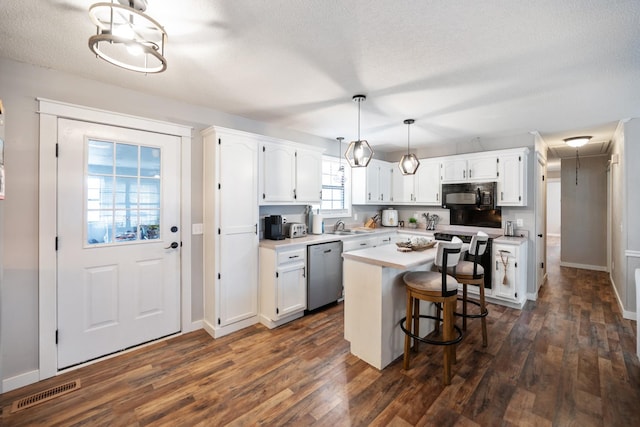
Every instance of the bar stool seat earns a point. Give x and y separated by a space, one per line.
441 289
472 273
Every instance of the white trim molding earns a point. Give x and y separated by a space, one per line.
632 254
50 111
584 266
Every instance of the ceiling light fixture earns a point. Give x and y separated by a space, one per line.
577 142
409 163
128 38
359 153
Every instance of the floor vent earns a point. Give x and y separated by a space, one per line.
45 395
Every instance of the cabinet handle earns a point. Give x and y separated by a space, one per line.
304 271
502 195
469 173
496 265
320 194
369 196
464 173
294 256
295 196
256 226
437 196
381 196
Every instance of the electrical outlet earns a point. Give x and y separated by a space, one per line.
519 222
284 219
196 229
355 216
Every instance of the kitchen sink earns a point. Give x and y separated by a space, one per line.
348 232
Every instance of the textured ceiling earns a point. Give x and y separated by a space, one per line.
463 69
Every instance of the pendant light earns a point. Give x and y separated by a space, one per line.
408 163
339 175
359 153
577 142
126 37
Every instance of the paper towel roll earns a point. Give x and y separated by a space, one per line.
317 224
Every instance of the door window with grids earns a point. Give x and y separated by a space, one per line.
122 192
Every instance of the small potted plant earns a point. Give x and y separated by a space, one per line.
413 223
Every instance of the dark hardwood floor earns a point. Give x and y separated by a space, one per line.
567 359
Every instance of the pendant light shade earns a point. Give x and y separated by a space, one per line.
126 37
409 163
359 153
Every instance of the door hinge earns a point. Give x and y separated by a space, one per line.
57 145
56 336
56 243
219 141
218 231
219 276
277 310
219 186
218 320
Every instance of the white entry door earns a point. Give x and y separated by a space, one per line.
118 239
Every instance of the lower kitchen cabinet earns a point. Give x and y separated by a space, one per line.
510 278
283 285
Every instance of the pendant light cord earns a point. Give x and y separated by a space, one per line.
577 165
359 101
408 136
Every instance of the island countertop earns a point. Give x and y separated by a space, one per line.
389 256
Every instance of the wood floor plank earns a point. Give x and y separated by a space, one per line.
566 359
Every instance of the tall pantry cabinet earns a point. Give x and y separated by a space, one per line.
230 230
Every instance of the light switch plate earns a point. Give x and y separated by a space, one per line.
519 222
196 229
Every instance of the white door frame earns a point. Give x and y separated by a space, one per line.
49 112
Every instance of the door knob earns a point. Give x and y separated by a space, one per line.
173 245
174 229
539 235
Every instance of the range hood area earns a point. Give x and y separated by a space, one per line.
472 204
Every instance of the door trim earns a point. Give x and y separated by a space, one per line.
50 111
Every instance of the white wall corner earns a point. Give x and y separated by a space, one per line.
21 380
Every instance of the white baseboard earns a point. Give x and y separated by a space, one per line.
584 266
553 234
194 326
220 331
625 313
20 381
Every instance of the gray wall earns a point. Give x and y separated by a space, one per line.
20 84
584 212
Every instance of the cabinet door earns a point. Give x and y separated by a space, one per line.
454 170
238 238
359 194
511 181
398 187
277 173
308 176
291 289
504 280
373 182
482 168
427 183
384 181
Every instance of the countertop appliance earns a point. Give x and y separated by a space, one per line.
295 229
389 218
485 259
273 227
324 275
508 228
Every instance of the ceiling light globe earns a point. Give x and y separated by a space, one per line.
408 164
577 141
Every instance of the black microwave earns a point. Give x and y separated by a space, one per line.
475 195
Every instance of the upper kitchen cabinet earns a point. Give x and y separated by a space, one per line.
423 188
289 173
470 167
512 180
372 185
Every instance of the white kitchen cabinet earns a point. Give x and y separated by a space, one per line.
385 238
423 188
512 180
230 230
510 275
470 167
372 185
289 173
360 242
283 284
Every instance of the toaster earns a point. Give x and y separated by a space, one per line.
296 229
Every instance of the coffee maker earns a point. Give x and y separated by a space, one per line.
273 227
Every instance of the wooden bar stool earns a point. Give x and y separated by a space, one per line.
470 272
439 288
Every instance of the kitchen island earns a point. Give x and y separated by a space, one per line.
375 300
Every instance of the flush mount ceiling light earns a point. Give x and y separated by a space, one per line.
126 37
577 142
359 153
409 162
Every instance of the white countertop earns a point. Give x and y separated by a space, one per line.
510 240
389 256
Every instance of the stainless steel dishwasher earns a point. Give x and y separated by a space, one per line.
324 276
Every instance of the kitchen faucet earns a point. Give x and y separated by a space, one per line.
339 225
